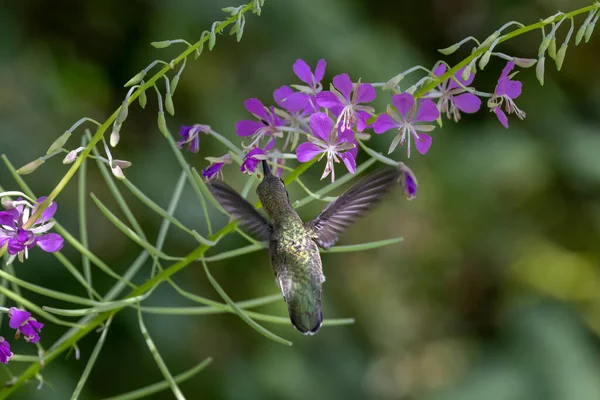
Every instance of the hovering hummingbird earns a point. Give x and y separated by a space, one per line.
293 244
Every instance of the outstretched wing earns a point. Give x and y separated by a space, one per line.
347 208
250 219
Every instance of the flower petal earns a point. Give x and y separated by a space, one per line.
349 161
428 111
50 242
509 67
440 69
423 143
14 246
212 170
256 107
513 89
458 76
303 72
366 93
48 212
467 102
307 151
327 99
320 70
403 103
17 317
184 131
384 123
7 219
501 116
321 125
246 127
343 83
361 120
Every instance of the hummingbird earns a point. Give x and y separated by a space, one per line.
293 244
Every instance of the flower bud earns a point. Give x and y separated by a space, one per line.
136 79
590 29
71 157
174 83
449 50
162 124
524 62
115 136
32 166
161 44
539 70
552 48
408 182
169 104
467 72
198 52
212 39
59 143
560 56
117 172
544 45
7 203
483 61
581 32
392 83
549 19
123 112
142 99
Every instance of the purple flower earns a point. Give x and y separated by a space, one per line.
19 240
406 121
453 98
254 157
408 181
328 140
267 125
190 136
216 163
289 100
25 324
506 91
313 80
344 100
5 353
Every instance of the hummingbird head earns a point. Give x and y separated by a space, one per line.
272 193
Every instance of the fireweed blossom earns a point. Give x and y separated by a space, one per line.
25 324
216 164
406 121
296 112
190 136
331 141
344 98
5 353
268 124
453 98
408 182
254 157
506 91
313 80
19 240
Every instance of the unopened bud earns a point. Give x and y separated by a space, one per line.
408 181
136 79
59 143
581 32
449 50
483 61
590 29
524 62
392 83
544 45
142 99
174 83
162 124
467 72
115 136
169 104
71 157
549 19
212 39
123 112
560 56
198 51
29 168
488 42
161 44
552 48
7 203
539 70
117 172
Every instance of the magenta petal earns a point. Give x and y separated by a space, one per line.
343 83
321 125
467 102
50 242
280 95
270 145
423 143
17 317
302 71
403 102
296 101
361 120
509 67
428 111
256 107
307 151
458 76
349 161
247 127
327 99
366 93
439 70
513 89
7 219
48 212
501 116
320 70
384 123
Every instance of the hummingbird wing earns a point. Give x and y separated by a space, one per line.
250 219
347 208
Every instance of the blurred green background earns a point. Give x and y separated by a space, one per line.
494 294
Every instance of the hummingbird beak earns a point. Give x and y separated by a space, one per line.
266 169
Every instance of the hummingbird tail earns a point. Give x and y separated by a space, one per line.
307 320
